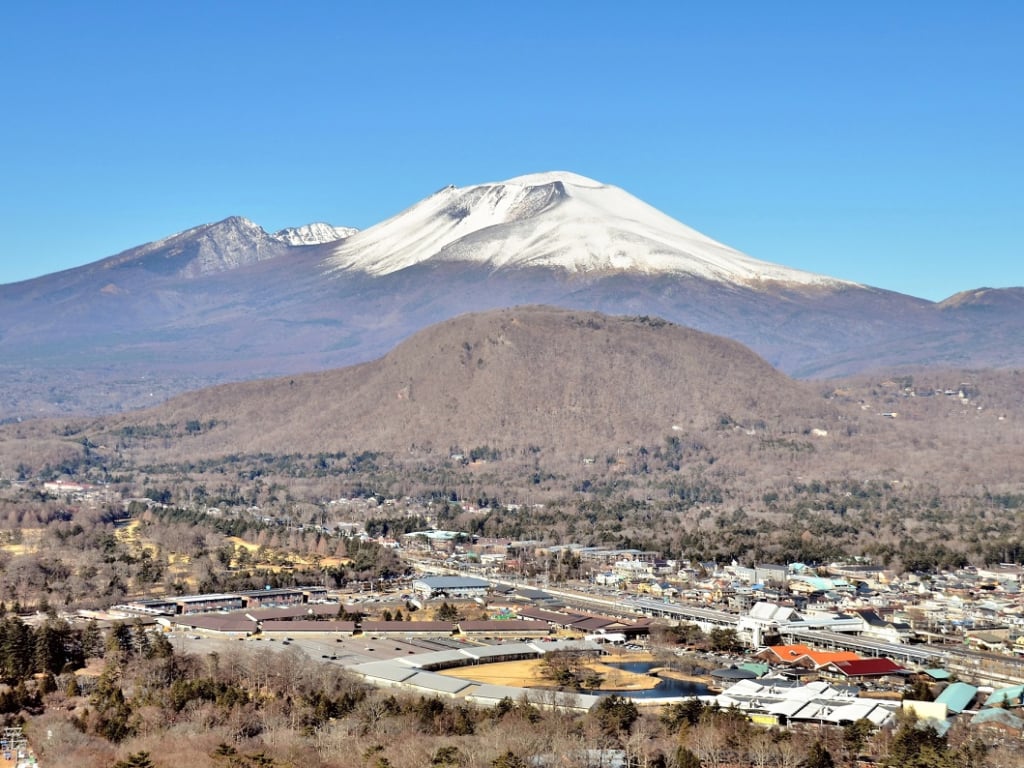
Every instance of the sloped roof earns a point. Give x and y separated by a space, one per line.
234 622
593 623
435 659
384 670
793 654
451 582
539 614
871 617
304 625
957 696
786 707
503 625
498 651
867 667
1011 695
819 583
730 674
770 612
941 727
431 681
998 715
408 627
297 611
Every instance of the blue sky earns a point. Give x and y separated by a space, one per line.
879 142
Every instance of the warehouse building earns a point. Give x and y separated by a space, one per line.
450 586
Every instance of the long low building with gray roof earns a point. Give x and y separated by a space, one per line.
450 586
492 695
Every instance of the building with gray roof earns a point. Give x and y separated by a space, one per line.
431 682
492 695
384 672
450 586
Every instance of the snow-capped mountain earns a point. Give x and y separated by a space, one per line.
204 250
223 246
317 233
557 220
229 301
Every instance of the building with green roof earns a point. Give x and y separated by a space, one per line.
957 697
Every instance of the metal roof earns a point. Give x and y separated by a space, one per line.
304 625
957 696
213 597
867 667
497 651
873 647
216 622
998 715
1013 694
431 681
503 625
435 659
408 627
492 694
451 582
292 611
387 671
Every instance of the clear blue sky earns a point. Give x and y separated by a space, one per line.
880 142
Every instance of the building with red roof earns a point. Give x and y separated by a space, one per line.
864 669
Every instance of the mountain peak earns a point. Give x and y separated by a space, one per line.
222 246
554 220
317 233
984 298
549 177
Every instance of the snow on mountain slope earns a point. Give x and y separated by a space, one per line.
222 246
317 233
557 220
203 250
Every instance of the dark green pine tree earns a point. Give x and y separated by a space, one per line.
50 644
819 757
17 649
92 640
120 641
135 760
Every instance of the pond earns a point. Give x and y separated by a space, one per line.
667 688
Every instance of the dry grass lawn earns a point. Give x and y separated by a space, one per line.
528 674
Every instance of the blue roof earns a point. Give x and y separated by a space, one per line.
957 697
997 715
938 674
819 583
1012 695
941 727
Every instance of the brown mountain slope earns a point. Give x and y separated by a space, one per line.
573 382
